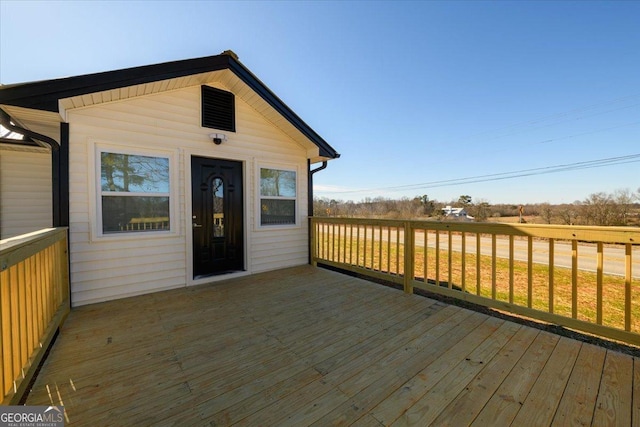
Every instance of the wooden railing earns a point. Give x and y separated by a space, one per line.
34 301
584 278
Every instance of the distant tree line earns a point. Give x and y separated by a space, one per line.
621 208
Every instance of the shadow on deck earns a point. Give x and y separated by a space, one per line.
307 345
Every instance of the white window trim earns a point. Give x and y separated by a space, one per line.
258 204
96 188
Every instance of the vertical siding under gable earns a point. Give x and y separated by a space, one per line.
25 191
105 268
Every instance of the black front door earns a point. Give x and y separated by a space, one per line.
217 217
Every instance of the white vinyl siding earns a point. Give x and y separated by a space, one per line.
105 269
25 190
287 248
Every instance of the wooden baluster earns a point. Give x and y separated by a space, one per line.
627 286
478 270
398 251
437 257
599 280
511 272
463 267
493 266
574 279
551 267
529 271
450 260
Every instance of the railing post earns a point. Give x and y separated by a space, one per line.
408 258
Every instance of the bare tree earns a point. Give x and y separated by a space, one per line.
607 209
593 210
624 199
568 214
617 208
480 210
546 212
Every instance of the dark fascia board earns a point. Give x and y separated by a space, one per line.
265 93
44 95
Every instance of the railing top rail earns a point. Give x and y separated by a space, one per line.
619 235
16 249
564 232
361 221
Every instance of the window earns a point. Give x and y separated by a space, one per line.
218 109
134 193
277 197
218 207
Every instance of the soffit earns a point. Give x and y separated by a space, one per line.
43 122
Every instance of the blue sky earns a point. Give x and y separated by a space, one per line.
414 95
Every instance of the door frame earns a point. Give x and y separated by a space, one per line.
188 223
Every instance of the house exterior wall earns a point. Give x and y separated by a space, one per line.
25 190
115 266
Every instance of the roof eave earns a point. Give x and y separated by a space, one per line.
265 93
45 95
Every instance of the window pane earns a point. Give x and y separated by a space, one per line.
218 207
277 183
135 174
121 214
277 212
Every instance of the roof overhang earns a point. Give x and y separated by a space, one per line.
43 122
41 106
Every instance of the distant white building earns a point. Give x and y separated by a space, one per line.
456 213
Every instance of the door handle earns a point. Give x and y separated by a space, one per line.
197 225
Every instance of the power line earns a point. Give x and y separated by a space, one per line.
552 120
611 161
586 133
515 132
510 129
560 115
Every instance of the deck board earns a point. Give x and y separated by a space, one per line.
466 406
505 403
615 394
493 335
541 404
580 395
308 346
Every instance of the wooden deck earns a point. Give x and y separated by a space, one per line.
309 346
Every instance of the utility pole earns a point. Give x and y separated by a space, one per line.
521 210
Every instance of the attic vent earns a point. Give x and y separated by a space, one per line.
218 109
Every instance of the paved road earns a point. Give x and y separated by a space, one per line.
614 256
